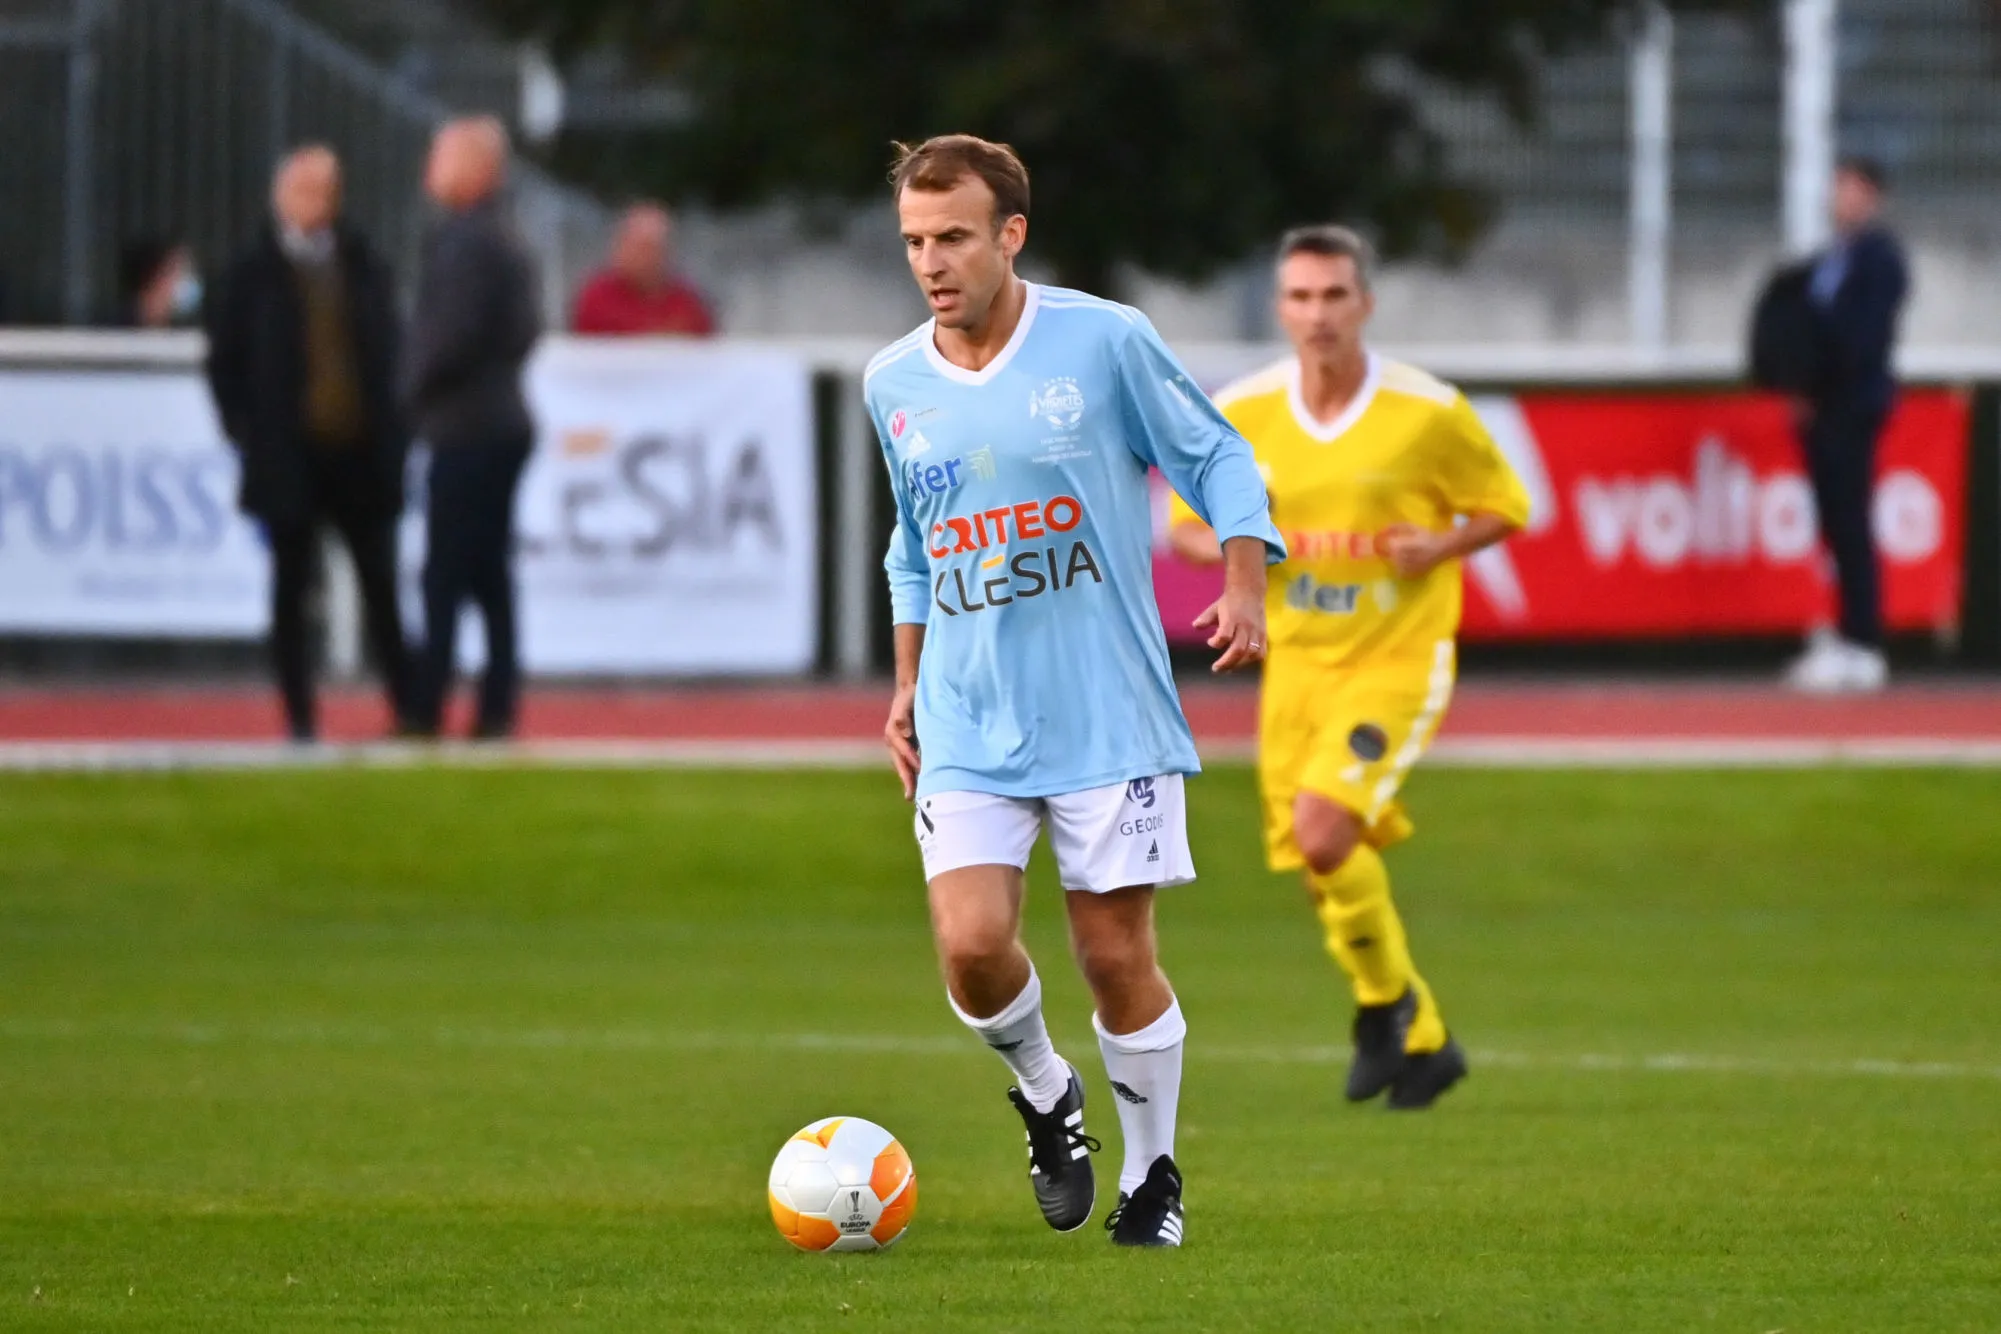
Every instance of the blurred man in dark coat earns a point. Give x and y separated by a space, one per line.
302 356
1857 289
474 324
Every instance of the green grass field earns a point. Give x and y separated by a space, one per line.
442 1050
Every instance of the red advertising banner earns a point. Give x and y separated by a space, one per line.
1661 514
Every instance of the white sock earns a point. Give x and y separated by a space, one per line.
1145 1070
1021 1039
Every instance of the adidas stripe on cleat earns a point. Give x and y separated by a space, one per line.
1059 1157
1151 1215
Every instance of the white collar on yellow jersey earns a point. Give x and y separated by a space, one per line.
1328 432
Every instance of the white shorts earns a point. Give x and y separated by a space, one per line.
1104 838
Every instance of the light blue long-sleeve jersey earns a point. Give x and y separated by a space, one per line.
1023 543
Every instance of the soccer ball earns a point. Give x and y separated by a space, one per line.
842 1184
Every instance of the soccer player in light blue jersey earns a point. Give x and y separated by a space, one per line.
1032 679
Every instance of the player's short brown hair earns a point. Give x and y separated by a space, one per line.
1328 239
942 161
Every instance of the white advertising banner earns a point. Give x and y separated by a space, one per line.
118 510
667 521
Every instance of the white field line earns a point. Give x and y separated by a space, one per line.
192 1034
1497 752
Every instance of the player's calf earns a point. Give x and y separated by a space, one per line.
995 991
1351 892
1140 1029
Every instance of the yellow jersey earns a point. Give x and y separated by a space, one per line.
1408 450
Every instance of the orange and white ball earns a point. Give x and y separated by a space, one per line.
842 1184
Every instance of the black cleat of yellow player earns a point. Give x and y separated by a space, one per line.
1380 1033
1426 1075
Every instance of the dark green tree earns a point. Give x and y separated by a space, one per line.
1178 135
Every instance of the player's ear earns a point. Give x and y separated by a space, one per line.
1013 235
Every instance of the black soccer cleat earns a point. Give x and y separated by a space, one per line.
1426 1075
1059 1157
1380 1032
1151 1215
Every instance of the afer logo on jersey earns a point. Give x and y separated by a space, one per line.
922 480
999 579
1306 593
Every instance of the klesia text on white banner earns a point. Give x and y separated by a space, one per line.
667 522
667 518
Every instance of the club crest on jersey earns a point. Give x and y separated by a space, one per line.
1369 742
897 421
1059 402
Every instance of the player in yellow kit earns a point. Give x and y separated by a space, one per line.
1382 480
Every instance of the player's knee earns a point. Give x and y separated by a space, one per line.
1327 832
1112 962
971 948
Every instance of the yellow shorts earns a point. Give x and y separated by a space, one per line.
1350 734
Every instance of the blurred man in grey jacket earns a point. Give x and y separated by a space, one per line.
473 327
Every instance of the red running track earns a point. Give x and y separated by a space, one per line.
1547 710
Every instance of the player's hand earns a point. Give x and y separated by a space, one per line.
1413 552
900 732
1237 620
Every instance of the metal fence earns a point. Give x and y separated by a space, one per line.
1667 169
1664 171
161 119
1920 88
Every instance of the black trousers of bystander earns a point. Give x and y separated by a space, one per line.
1840 444
345 497
470 517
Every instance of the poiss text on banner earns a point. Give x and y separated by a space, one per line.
118 510
667 521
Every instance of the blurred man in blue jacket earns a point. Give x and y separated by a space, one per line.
1857 290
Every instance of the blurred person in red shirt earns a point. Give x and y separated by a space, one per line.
639 292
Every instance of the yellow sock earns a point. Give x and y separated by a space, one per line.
1366 937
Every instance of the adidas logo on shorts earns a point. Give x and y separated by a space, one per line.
1153 852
